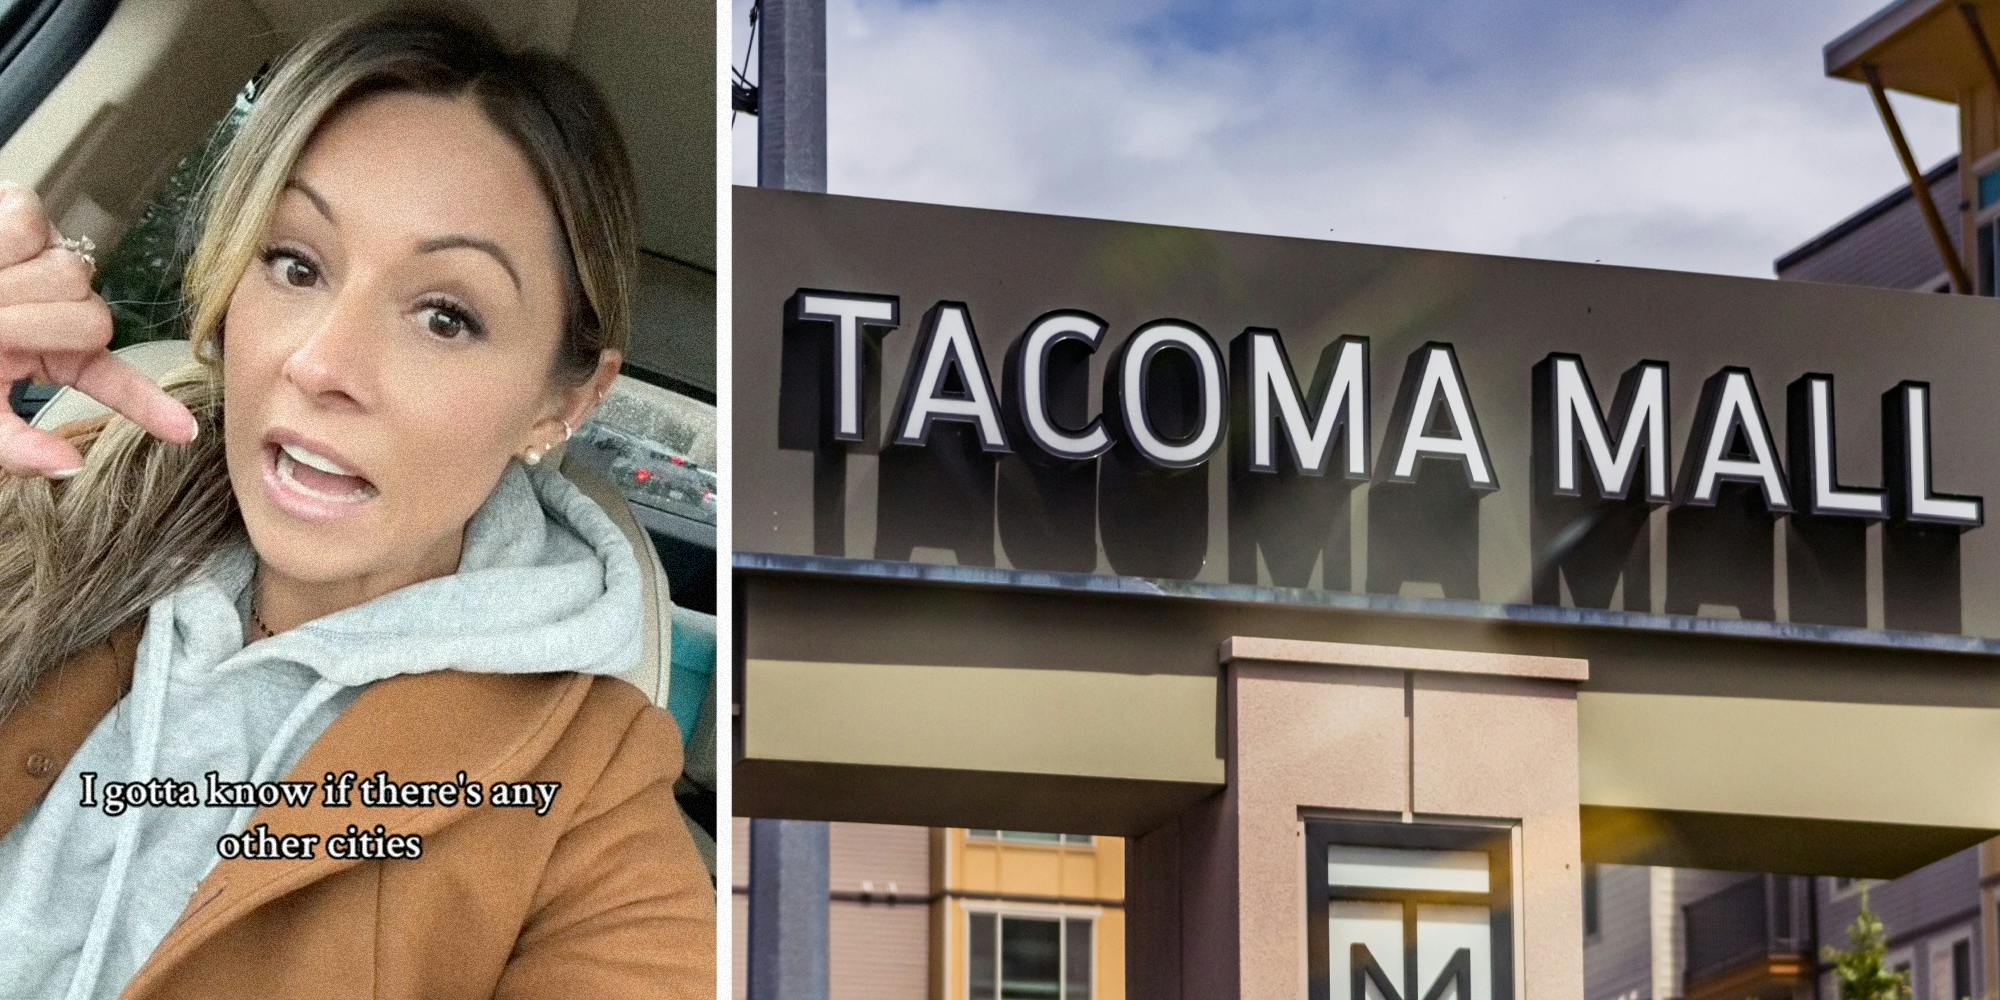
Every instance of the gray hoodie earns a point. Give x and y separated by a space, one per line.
546 582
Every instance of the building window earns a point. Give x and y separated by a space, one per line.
1026 837
1950 968
1961 968
1029 957
1590 900
1983 280
1989 188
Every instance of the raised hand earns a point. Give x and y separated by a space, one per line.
53 327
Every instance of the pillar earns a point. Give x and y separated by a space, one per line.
1416 739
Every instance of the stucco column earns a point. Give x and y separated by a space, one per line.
1216 897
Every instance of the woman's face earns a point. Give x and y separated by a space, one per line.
389 347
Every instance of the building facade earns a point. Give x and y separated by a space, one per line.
1697 934
1943 921
1386 675
1635 929
918 913
1658 933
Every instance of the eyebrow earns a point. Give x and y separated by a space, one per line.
313 196
489 247
433 245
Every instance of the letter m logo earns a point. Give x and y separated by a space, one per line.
1369 982
1409 911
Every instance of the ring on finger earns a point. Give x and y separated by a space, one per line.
82 246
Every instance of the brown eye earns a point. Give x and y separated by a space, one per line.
447 320
290 268
445 324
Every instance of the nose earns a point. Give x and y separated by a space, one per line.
332 362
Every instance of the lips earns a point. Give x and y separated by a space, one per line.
310 481
320 477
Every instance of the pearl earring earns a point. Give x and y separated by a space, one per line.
535 452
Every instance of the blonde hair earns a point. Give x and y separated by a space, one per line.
80 559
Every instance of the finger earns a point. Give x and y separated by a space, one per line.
54 275
24 227
44 327
116 383
26 451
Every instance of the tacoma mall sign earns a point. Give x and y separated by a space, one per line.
1039 401
1063 412
1257 392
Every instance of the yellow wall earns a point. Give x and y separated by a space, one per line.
1005 876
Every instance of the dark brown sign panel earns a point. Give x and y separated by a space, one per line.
993 397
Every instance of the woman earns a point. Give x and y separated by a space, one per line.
331 556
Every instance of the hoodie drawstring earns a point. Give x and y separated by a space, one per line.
321 692
149 697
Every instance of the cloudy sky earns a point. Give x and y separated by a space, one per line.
1698 135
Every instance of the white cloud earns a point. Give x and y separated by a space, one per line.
1697 136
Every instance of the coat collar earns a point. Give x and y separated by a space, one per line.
415 727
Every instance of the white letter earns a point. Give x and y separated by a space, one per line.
1642 402
1435 370
849 315
1030 361
1920 504
1813 471
1342 402
947 342
1129 388
1729 400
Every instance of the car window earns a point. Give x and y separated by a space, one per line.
140 278
39 41
658 446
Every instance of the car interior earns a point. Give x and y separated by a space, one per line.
106 102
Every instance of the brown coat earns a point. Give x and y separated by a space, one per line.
602 897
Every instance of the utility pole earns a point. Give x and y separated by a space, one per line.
788 858
791 95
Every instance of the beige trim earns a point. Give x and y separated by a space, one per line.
981 719
1687 752
1449 661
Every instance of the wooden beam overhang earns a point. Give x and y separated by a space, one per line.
1961 283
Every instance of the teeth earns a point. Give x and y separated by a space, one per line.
320 462
286 466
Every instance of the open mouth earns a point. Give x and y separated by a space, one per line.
319 477
310 485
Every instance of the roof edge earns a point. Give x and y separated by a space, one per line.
1877 28
1861 218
